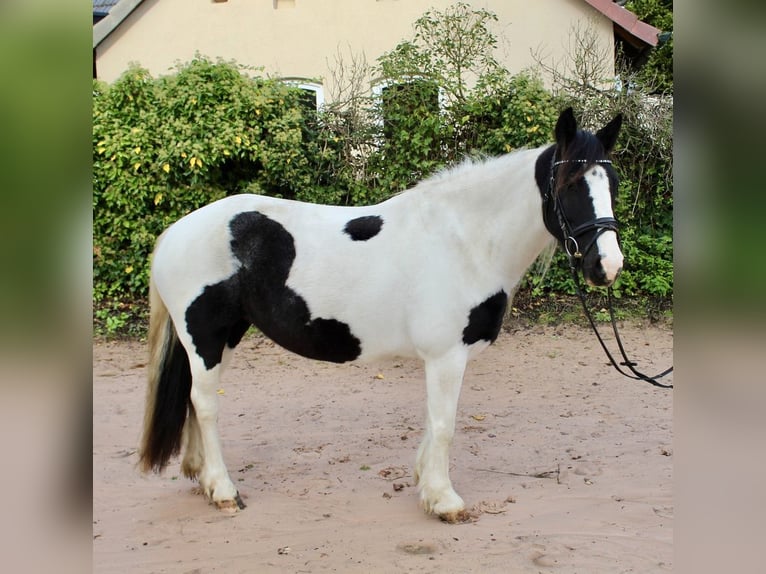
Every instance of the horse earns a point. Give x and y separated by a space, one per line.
426 273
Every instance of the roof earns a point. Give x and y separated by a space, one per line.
633 30
116 11
103 5
101 8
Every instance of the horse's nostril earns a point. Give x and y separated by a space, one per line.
611 270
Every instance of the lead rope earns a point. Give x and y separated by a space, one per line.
637 375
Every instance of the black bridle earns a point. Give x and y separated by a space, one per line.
569 234
569 237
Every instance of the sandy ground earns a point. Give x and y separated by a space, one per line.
566 465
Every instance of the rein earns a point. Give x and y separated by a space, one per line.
575 255
631 365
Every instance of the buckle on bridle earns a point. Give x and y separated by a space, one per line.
573 253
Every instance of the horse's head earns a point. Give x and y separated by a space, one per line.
578 184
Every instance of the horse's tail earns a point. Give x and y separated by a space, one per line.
168 391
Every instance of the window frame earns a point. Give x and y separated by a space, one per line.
309 86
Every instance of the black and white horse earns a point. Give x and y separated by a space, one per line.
424 274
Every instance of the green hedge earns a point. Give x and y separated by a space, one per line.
164 147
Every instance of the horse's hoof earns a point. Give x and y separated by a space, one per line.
227 506
231 506
446 504
459 517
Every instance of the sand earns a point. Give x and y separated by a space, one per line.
565 465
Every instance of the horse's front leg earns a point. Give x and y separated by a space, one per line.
444 376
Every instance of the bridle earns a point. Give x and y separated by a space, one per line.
569 237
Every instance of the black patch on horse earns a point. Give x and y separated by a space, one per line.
214 321
485 320
363 228
257 294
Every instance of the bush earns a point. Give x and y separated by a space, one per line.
447 97
656 74
164 147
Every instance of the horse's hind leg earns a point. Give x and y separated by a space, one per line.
444 377
194 456
213 332
204 456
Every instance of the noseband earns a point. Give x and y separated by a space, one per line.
569 234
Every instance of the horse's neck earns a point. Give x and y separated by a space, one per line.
494 211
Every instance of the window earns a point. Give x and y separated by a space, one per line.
313 94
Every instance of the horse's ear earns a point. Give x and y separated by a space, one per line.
566 128
608 134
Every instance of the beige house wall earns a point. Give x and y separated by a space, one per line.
302 38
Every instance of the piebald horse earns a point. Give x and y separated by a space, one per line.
426 274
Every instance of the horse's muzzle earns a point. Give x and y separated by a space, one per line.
603 274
